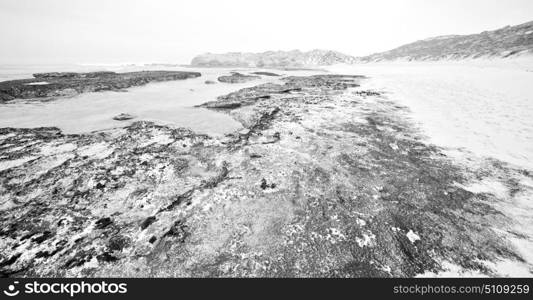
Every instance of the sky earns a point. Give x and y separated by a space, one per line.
135 31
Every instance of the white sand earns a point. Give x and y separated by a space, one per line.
484 106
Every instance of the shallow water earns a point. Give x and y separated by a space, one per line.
485 109
170 102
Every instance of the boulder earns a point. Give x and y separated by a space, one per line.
123 117
236 77
266 73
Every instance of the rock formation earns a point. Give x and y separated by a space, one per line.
325 180
273 59
68 84
123 117
237 77
265 73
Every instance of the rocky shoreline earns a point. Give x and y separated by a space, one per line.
57 84
237 77
326 180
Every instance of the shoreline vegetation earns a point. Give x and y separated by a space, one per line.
327 179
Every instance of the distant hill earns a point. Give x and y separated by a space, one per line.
504 42
273 59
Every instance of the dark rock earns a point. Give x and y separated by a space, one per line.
249 96
147 222
106 257
178 200
236 77
79 259
103 223
54 75
367 93
223 105
335 82
264 185
210 82
178 231
68 84
265 73
100 185
5 97
42 237
123 117
117 243
11 260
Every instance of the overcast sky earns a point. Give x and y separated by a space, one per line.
122 31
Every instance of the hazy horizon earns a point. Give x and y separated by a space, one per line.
104 32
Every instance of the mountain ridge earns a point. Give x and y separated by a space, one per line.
289 59
500 43
508 41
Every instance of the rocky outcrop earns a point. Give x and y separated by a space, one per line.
237 77
79 217
265 73
123 117
325 180
248 96
273 59
68 84
504 42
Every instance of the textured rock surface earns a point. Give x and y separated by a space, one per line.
326 179
123 117
504 42
265 73
237 77
68 84
273 59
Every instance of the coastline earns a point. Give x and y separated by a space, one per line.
327 178
473 106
